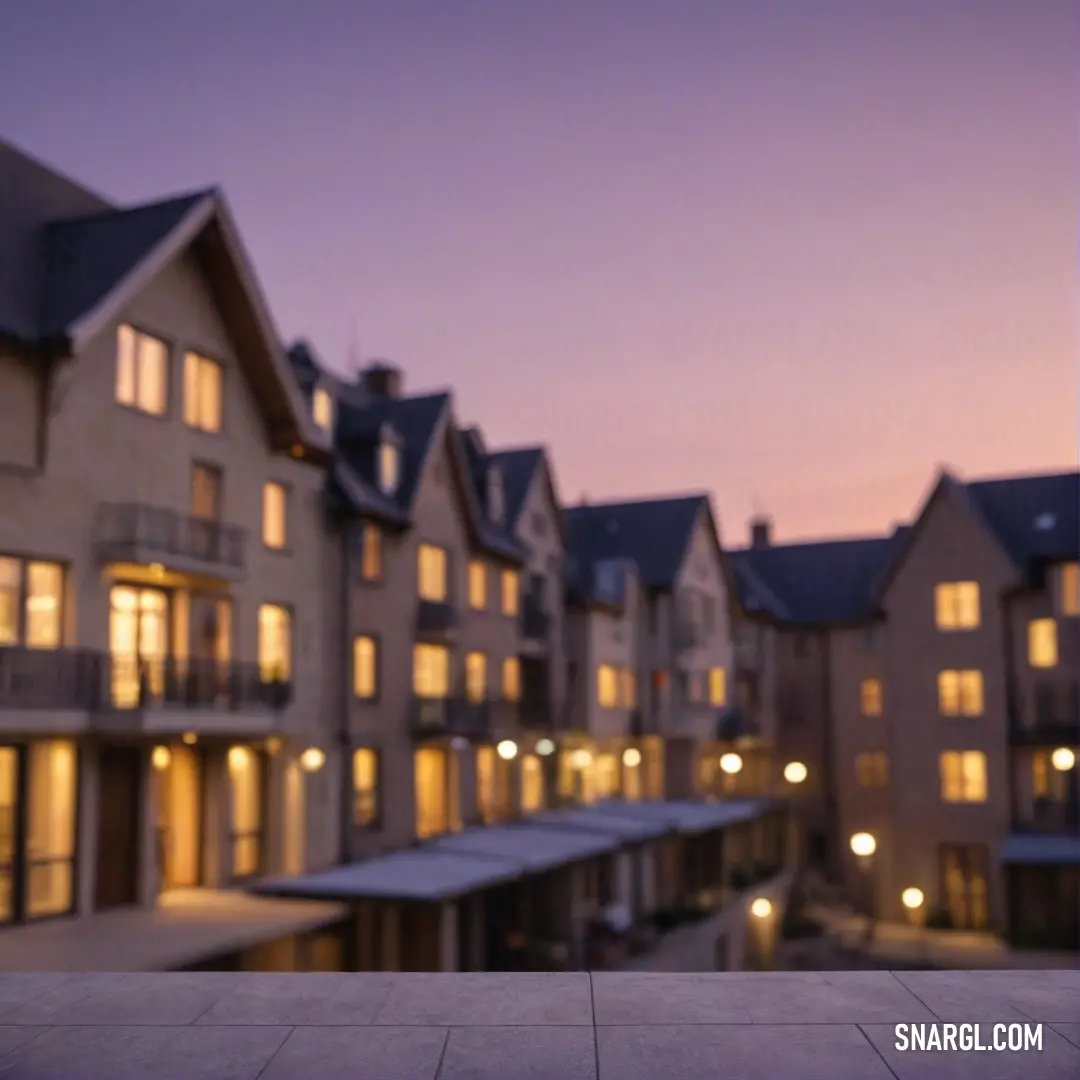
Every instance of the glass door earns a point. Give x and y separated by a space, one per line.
138 643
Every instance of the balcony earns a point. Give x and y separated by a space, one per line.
136 533
1050 715
50 680
448 717
436 620
535 624
1051 815
172 695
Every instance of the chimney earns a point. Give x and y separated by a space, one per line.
760 532
382 379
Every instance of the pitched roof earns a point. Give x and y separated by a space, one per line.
84 259
654 534
497 536
519 466
831 581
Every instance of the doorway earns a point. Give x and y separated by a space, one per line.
180 820
138 643
120 771
964 872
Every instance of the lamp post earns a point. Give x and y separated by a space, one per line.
863 846
913 899
761 909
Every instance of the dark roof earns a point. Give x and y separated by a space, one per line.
519 466
496 536
85 258
832 581
1035 518
654 534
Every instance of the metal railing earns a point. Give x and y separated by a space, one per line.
535 622
432 717
50 678
436 618
159 531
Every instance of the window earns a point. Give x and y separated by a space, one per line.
510 587
52 788
1070 589
607 776
628 688
31 603
389 467
370 552
322 408
960 693
365 774
717 686
511 679
871 697
202 393
432 803
9 791
477 585
963 776
142 371
1042 643
274 526
956 605
206 485
872 769
431 671
365 667
431 574
532 784
275 643
607 687
245 778
1040 774
487 787
476 677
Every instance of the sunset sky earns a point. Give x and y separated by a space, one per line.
795 253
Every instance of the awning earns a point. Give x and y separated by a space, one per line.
630 830
690 818
420 874
533 847
1041 849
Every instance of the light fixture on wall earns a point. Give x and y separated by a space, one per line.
581 759
545 748
631 757
731 764
160 758
912 898
239 759
795 772
190 738
273 746
761 908
1063 759
507 749
863 845
312 759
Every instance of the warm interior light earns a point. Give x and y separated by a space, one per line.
160 758
912 898
761 908
631 757
581 759
190 738
507 749
863 844
795 772
312 759
239 757
545 748
1063 759
273 745
731 764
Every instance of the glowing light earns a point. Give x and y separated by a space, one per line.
761 908
1063 759
273 745
312 759
863 845
731 764
581 759
795 772
190 738
507 749
912 898
631 757
545 748
160 758
239 759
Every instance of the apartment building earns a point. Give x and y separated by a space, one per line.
652 584
161 711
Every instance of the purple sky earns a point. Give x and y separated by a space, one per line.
795 258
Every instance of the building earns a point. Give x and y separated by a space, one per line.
162 712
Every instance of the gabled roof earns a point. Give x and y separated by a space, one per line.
496 536
654 534
826 582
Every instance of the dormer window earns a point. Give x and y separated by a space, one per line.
389 464
322 409
496 499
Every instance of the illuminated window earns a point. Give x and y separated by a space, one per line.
389 467
9 791
963 776
872 769
960 693
202 393
509 591
370 552
10 600
322 408
477 585
487 784
1070 589
275 643
431 574
1040 774
52 793
365 667
628 688
532 784
432 803
956 605
1042 643
476 683
871 697
44 601
274 526
632 781
431 670
365 771
607 776
717 686
607 686
245 779
142 371
511 679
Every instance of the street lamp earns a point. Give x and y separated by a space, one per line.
507 749
312 759
912 899
1063 759
761 909
863 846
795 772
731 764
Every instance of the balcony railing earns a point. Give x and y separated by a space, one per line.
436 619
50 678
136 532
1051 815
535 622
178 683
1052 714
450 716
